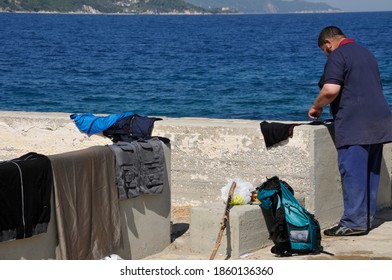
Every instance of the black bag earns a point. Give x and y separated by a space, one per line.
131 128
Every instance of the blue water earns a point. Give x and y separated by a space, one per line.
239 66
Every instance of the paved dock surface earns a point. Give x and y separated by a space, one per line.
377 245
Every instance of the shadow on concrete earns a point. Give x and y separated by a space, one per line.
382 216
178 230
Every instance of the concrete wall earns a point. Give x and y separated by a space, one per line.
207 153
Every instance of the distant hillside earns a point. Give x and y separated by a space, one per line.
163 6
265 6
101 6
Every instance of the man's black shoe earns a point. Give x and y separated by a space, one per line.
344 231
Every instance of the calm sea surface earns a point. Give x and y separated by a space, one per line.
239 66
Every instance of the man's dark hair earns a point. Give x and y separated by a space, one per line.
329 32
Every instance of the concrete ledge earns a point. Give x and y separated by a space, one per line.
207 153
246 231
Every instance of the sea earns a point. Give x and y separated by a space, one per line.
247 66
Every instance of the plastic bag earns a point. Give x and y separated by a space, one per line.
242 192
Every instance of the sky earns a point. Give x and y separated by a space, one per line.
359 5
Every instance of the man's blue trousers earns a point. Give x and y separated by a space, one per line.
360 167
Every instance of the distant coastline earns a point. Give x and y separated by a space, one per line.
177 13
190 14
166 7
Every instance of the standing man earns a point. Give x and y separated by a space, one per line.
363 123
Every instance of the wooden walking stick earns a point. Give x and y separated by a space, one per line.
224 220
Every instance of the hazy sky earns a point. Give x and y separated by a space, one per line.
359 5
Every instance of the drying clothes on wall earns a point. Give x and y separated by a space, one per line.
140 167
131 128
275 132
86 203
92 124
25 194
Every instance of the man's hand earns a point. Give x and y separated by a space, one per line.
315 113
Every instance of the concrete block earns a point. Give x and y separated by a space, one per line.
325 198
384 197
246 231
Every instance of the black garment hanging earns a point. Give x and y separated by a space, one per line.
275 132
25 193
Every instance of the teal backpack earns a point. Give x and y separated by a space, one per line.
291 227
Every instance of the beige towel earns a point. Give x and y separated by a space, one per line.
86 203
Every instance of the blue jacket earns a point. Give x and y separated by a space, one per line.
91 124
